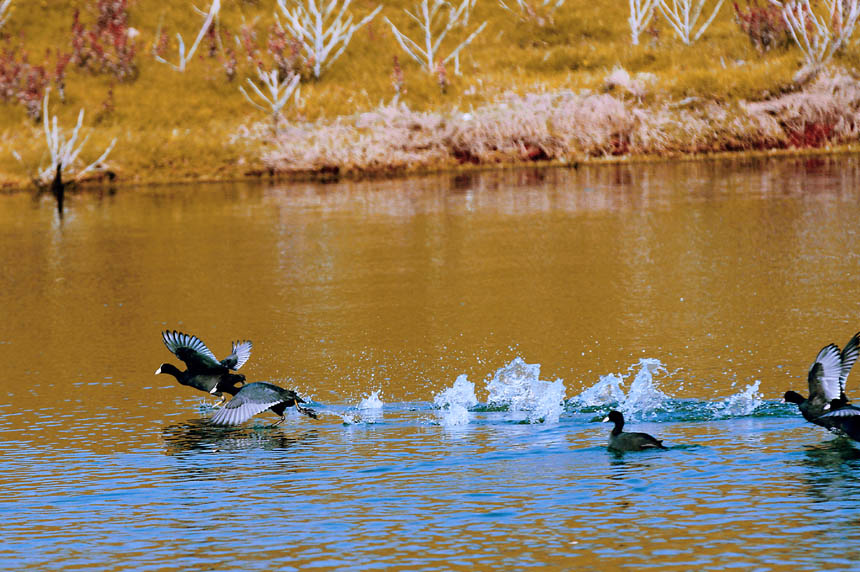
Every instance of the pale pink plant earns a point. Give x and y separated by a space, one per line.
565 126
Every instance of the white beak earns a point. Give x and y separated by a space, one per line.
158 370
605 419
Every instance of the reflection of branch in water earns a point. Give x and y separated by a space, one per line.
199 435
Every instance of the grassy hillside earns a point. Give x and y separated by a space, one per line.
178 126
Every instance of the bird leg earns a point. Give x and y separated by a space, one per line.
222 402
281 420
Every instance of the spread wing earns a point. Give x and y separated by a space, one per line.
191 350
849 356
843 412
252 399
241 353
824 375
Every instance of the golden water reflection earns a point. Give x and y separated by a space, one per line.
727 272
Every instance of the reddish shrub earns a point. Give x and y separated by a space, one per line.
21 81
810 134
109 46
286 53
32 89
763 25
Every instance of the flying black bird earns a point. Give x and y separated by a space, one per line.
204 371
826 381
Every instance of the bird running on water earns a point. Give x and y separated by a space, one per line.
257 397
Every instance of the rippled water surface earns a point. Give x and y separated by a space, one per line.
461 337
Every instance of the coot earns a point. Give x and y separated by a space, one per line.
255 398
826 381
204 371
620 441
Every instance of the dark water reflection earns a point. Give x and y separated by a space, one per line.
729 273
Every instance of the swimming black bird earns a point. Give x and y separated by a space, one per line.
204 371
255 398
620 441
826 381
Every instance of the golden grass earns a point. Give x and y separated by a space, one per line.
175 126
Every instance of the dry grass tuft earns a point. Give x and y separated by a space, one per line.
567 126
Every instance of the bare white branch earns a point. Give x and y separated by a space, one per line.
820 35
435 29
322 29
5 12
184 58
641 13
279 92
64 149
683 15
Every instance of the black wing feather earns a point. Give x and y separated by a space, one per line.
191 350
849 355
241 353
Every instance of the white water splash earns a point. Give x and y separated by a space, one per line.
368 410
741 403
606 390
372 401
642 398
454 402
519 387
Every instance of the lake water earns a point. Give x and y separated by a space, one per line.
461 337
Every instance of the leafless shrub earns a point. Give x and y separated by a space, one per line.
641 13
64 149
5 12
683 16
435 28
279 93
184 58
324 31
820 34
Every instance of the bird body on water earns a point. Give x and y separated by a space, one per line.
621 441
204 371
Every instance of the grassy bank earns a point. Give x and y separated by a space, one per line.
571 89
